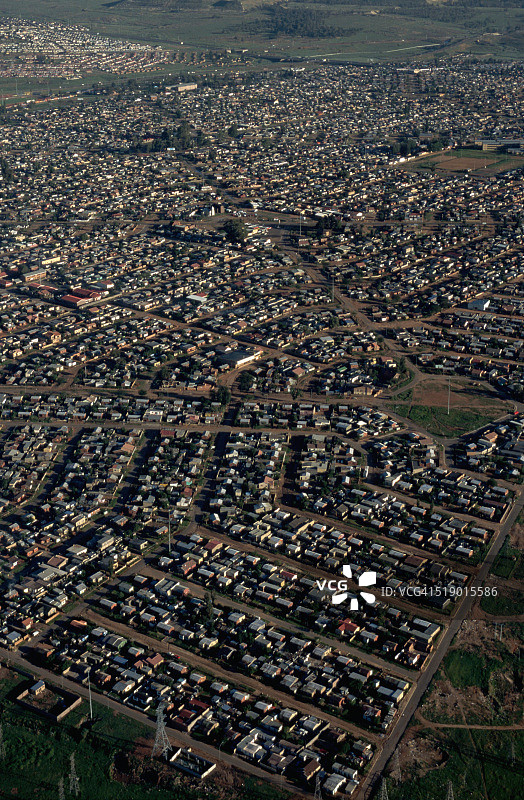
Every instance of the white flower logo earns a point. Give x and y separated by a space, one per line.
366 579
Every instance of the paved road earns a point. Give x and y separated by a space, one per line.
462 612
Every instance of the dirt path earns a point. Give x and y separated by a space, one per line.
226 602
517 726
209 667
177 738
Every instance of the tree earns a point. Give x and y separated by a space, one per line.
245 381
6 170
222 395
209 607
235 231
184 135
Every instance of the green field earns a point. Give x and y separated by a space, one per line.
481 765
508 563
362 32
436 420
486 161
506 603
37 752
464 669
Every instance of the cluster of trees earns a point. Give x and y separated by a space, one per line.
235 231
246 381
405 147
306 22
330 223
221 395
6 170
180 138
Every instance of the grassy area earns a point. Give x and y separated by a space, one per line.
436 420
465 669
507 562
475 160
255 790
406 395
486 673
38 752
478 764
358 35
506 603
405 376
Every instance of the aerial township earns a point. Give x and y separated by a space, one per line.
215 307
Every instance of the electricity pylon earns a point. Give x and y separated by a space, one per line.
2 743
161 744
74 784
396 772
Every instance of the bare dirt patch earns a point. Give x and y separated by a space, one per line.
499 701
420 754
517 537
446 702
477 161
464 394
460 164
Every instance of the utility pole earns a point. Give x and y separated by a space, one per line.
450 795
169 531
61 791
318 789
449 392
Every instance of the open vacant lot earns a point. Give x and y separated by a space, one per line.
478 161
